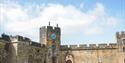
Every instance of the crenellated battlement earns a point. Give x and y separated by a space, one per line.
73 46
51 27
91 46
102 45
64 46
19 38
115 45
120 35
120 38
83 46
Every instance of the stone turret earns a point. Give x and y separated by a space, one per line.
120 38
5 37
19 38
50 37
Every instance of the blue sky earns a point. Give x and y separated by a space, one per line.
81 21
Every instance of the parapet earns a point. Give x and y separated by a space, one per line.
50 28
102 45
14 38
83 46
5 37
64 46
113 45
91 46
73 46
19 38
120 35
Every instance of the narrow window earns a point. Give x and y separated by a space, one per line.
123 49
124 41
124 60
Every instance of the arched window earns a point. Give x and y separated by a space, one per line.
30 59
69 58
68 61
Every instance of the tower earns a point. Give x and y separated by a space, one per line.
120 38
50 37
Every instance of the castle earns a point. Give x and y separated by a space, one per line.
19 49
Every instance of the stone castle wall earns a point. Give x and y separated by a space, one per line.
3 52
29 53
95 53
94 56
23 50
102 53
90 46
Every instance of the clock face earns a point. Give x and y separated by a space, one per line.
53 36
53 46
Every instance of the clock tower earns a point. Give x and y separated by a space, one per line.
50 37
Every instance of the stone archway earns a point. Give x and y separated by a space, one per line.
68 61
69 58
30 59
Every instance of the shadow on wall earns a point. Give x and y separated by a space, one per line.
68 61
11 57
30 59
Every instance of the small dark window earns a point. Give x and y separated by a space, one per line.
68 56
124 60
124 49
124 41
38 50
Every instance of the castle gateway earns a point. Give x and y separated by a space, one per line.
18 49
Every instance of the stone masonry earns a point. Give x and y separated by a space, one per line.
19 49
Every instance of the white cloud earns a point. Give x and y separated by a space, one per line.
98 11
11 11
111 21
71 19
93 31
